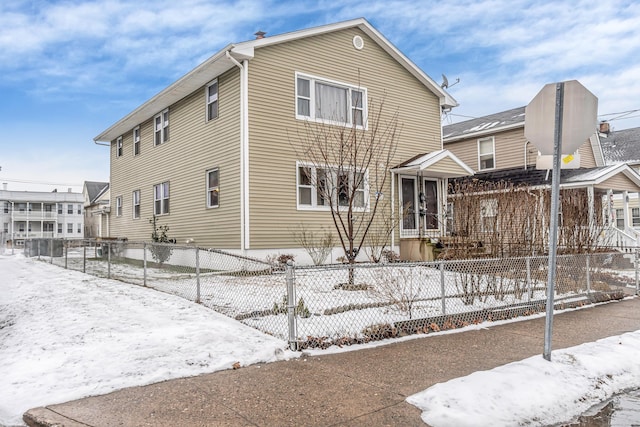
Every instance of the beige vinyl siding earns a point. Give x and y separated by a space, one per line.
587 159
618 182
194 147
273 128
509 149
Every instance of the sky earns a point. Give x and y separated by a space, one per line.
69 69
65 335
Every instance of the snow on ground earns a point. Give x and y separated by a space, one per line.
535 392
65 335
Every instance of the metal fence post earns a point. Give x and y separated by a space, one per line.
51 251
144 264
636 268
588 276
529 289
442 289
197 276
65 246
108 260
291 306
84 256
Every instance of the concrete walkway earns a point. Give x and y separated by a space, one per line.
356 388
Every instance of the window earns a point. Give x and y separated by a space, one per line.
60 228
136 204
119 206
488 214
59 208
79 228
212 100
330 102
620 218
79 209
119 146
161 199
6 227
70 209
136 140
486 153
322 187
6 207
635 217
213 188
161 127
70 228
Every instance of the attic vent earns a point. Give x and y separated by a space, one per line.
259 34
358 43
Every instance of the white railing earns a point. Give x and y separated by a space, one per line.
623 240
34 215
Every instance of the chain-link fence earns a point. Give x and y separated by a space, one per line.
319 306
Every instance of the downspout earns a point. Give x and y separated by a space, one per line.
525 154
244 151
393 209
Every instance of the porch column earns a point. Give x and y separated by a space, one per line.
591 207
625 209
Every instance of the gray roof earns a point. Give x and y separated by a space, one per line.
481 125
95 189
622 146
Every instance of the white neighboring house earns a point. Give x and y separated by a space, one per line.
96 209
35 214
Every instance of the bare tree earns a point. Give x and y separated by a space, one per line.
349 168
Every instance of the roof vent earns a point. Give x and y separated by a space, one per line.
260 35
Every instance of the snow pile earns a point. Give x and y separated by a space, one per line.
65 335
535 392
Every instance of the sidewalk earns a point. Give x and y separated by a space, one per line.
356 388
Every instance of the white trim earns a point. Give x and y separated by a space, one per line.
207 101
208 189
244 123
164 127
312 100
119 147
133 204
481 133
118 206
412 232
136 142
493 153
314 192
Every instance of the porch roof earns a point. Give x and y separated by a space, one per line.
569 178
437 164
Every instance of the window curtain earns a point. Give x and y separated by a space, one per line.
331 103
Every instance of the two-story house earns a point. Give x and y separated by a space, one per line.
501 157
218 156
96 209
35 214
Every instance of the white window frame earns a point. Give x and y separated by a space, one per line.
119 146
620 218
161 195
635 217
119 206
59 228
483 156
488 209
211 100
215 188
136 140
69 228
79 228
135 203
161 127
333 177
351 108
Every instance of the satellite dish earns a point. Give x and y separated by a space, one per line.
445 82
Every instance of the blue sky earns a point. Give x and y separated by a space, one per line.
70 69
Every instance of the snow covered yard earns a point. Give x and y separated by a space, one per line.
66 335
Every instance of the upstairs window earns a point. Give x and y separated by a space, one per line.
136 140
635 217
212 100
119 146
161 199
330 102
70 209
119 206
70 228
136 204
213 188
486 153
161 127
